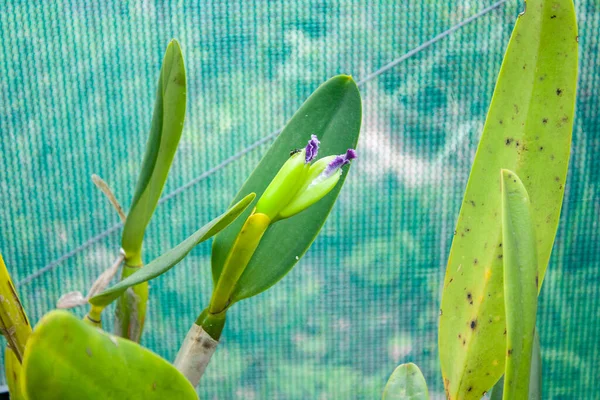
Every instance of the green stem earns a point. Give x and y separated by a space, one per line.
94 316
130 313
242 251
212 323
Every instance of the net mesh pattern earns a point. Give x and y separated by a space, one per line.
77 84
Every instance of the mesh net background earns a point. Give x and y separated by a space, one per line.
77 85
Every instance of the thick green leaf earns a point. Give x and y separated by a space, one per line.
67 359
13 373
168 260
333 112
14 323
520 284
406 383
535 381
528 130
167 124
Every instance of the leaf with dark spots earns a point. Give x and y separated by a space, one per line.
534 91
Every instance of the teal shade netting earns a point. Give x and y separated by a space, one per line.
77 86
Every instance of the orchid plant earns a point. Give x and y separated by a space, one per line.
68 358
502 244
508 219
297 186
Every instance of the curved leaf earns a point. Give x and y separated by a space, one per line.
535 381
67 359
167 124
13 373
333 113
520 284
168 260
14 323
406 383
527 130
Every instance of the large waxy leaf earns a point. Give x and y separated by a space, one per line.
406 383
168 260
67 359
167 124
528 130
535 380
13 373
520 284
333 112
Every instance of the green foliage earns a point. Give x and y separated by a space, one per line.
240 255
167 125
169 259
535 381
12 367
520 284
165 132
406 383
333 113
68 359
528 130
14 323
15 327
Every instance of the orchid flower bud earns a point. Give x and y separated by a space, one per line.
298 185
284 186
321 179
288 180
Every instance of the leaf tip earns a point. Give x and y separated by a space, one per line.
174 43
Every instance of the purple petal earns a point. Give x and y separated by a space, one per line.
312 148
351 154
338 162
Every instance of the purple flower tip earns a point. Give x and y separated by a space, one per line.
312 148
351 154
339 161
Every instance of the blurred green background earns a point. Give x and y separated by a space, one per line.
77 84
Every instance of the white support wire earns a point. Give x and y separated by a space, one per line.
28 279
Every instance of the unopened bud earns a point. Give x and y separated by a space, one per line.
298 184
321 179
284 186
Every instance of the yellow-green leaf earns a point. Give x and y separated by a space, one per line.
535 380
14 323
406 383
13 373
520 284
527 130
167 124
67 359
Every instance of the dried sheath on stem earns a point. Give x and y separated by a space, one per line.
195 354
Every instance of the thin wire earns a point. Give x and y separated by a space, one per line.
256 144
169 196
70 254
431 41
